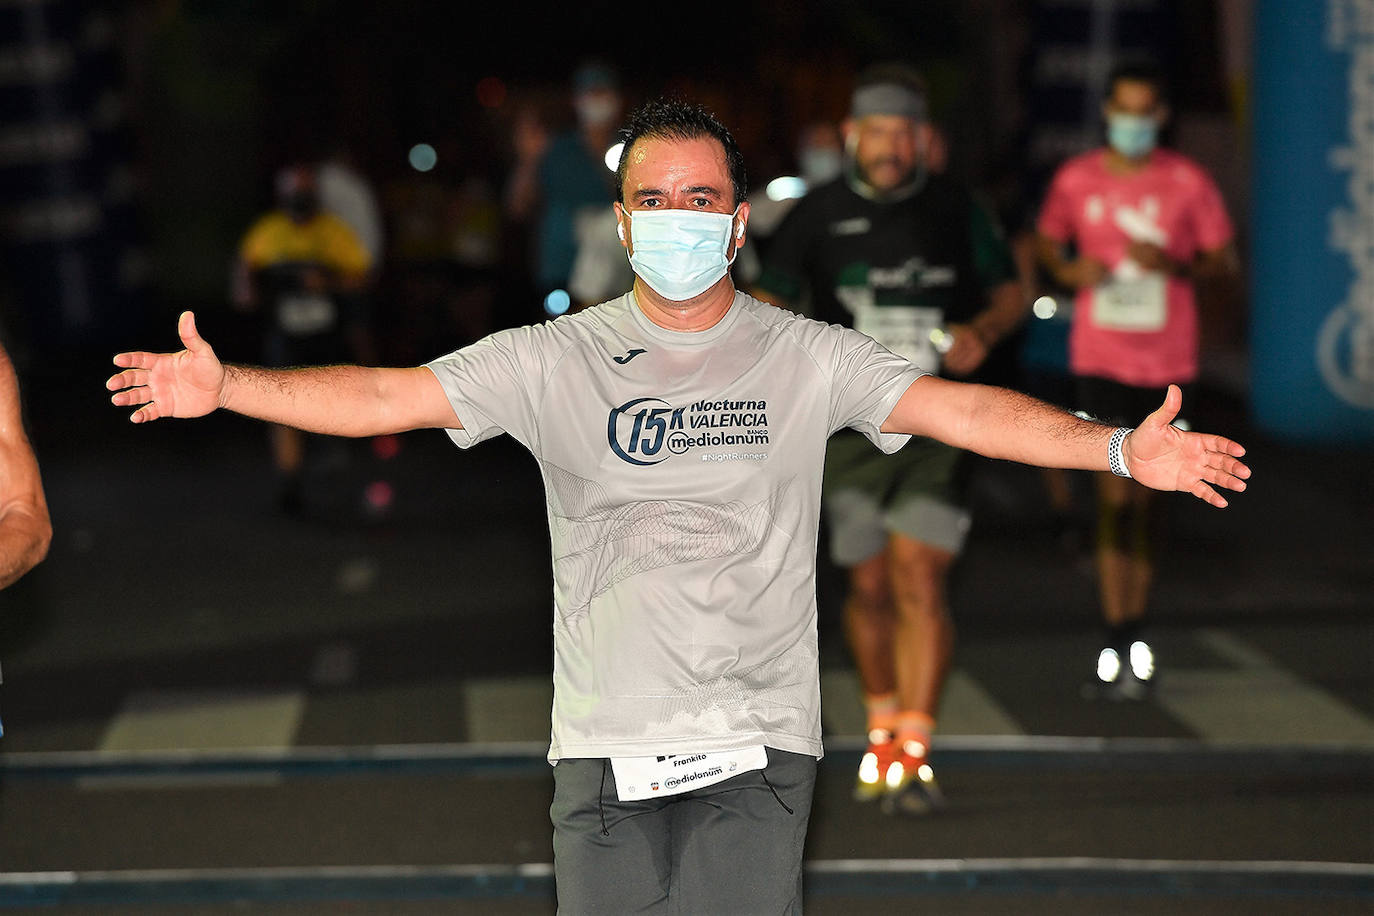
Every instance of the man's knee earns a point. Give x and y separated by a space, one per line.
870 589
918 573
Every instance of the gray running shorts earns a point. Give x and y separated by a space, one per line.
734 847
916 492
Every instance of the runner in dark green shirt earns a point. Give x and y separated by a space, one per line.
912 259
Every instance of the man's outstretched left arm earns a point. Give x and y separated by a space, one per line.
1000 423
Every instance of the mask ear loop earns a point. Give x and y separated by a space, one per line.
739 234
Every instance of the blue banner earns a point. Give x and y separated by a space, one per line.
1312 257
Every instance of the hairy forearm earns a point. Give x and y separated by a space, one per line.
1000 423
333 400
1008 424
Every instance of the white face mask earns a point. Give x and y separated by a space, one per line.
680 253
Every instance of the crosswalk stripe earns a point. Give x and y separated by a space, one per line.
153 720
966 708
1257 700
508 709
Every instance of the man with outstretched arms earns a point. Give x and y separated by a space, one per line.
679 430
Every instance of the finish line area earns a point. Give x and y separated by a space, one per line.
1211 828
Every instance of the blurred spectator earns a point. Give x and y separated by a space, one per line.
820 159
447 225
911 258
601 270
1146 222
556 179
305 271
346 192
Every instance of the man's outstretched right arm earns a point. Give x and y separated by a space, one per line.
334 400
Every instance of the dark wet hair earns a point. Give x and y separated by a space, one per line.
1138 70
673 119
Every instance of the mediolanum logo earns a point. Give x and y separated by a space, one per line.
637 430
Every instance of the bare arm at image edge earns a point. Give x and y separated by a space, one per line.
333 400
25 528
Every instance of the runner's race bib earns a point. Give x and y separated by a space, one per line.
303 315
906 330
1138 303
638 778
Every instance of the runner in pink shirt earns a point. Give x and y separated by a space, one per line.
1145 223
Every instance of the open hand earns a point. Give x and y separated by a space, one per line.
1167 458
185 384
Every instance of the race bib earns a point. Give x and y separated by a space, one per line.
1138 303
302 315
906 330
638 778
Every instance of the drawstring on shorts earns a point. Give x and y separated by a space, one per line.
764 774
601 797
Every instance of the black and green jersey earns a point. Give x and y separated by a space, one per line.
894 270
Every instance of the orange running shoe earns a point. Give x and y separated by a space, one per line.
909 783
881 754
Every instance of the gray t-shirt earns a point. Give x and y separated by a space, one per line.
682 472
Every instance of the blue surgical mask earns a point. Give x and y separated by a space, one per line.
1132 135
680 253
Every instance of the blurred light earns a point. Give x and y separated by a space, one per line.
941 340
613 156
1142 660
1108 666
1045 307
894 774
914 748
785 187
379 495
491 92
868 769
386 447
925 773
557 302
423 157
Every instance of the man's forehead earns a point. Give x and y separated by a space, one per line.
1137 91
888 122
655 159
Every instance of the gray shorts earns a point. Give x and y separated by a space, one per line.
734 847
917 492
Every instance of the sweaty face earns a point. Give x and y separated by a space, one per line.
887 149
676 175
